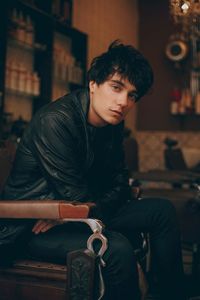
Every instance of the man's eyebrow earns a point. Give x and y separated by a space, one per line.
118 81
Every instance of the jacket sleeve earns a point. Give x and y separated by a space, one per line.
55 147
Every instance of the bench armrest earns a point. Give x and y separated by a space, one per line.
61 211
43 209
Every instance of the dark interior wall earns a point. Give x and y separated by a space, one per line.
155 28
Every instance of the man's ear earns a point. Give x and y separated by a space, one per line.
92 86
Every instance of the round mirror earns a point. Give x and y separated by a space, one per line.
176 50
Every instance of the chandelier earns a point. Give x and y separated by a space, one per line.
186 13
186 17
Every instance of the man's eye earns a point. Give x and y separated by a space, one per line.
116 88
133 97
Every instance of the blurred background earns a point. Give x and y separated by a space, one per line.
46 47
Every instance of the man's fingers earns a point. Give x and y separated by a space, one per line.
37 226
48 226
43 226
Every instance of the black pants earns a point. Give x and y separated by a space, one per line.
156 216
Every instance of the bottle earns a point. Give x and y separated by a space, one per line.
14 16
56 8
188 101
8 75
55 62
197 103
15 21
21 30
71 68
29 38
22 78
36 84
175 101
66 67
59 63
14 76
62 67
29 83
66 11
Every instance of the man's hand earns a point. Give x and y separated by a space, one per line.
136 192
44 225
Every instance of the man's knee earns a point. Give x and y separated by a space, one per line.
161 206
163 215
166 208
119 258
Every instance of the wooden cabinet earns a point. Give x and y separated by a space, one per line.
41 56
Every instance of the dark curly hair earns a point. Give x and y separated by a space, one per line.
126 61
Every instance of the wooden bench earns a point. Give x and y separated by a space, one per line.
29 279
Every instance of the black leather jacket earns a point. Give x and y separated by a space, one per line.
61 156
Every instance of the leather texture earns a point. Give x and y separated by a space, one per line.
59 156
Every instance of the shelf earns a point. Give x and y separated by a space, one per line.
34 8
12 42
35 54
17 93
38 8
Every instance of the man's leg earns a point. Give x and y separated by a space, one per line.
120 273
158 217
121 276
14 235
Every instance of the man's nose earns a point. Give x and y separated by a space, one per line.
122 100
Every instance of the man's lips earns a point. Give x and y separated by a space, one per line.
118 112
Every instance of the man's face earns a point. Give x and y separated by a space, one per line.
110 101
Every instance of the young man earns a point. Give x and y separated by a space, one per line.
73 149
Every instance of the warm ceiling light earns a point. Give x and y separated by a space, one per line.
187 14
185 6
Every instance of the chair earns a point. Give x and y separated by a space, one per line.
76 280
174 159
29 279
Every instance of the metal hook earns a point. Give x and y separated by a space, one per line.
104 246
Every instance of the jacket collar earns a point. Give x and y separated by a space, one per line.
84 98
